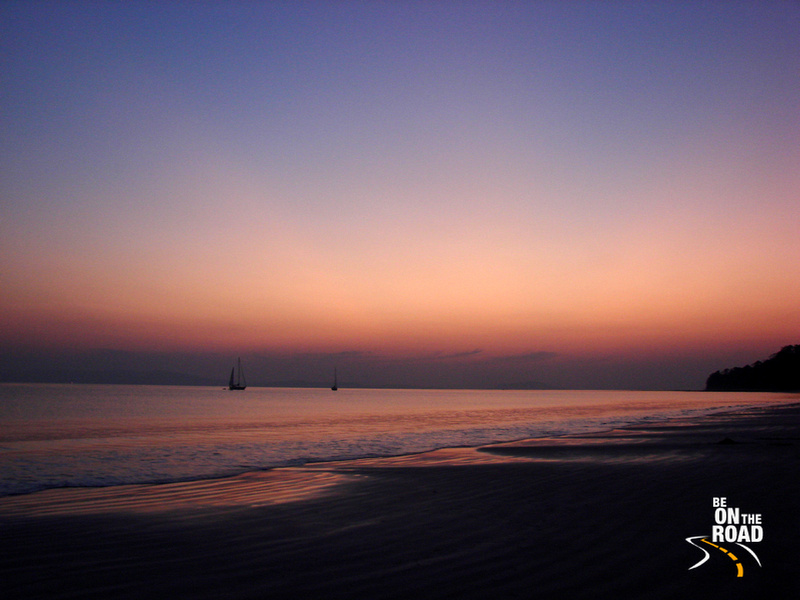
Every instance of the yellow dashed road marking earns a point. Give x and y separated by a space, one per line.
739 567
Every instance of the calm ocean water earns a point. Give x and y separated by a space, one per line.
99 435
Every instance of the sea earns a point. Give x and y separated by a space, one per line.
73 435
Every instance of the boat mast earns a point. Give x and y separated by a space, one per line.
241 375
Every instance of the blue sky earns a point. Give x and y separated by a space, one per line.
590 181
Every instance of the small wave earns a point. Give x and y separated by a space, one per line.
221 449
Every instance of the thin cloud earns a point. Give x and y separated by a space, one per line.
459 355
537 356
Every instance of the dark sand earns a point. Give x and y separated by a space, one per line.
597 516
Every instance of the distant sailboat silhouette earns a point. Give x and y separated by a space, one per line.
240 382
335 385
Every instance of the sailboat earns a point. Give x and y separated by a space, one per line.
335 385
240 382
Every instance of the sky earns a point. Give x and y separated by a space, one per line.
579 194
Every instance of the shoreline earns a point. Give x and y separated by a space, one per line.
599 515
79 483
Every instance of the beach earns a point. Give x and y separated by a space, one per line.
601 515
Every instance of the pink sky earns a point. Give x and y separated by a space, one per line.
616 182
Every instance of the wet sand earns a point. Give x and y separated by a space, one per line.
598 516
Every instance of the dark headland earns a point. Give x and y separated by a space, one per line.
779 373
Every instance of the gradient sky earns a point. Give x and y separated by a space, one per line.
587 194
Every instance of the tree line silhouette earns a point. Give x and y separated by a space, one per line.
779 373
